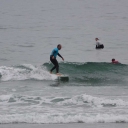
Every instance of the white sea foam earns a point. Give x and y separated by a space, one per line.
4 97
94 101
16 98
28 72
62 118
24 114
75 100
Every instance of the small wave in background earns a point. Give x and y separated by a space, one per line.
81 109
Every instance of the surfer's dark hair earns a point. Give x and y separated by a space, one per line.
96 38
113 59
58 45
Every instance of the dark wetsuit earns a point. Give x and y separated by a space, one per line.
54 61
98 45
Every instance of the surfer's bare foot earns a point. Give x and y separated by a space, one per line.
58 74
50 72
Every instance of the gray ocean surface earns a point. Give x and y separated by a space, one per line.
97 91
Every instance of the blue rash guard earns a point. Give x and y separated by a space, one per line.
55 53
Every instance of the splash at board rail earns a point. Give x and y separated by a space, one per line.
62 77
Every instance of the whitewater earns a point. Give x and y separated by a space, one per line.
41 98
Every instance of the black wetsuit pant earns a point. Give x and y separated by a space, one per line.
100 46
56 65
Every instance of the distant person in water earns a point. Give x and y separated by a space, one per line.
114 61
54 60
98 44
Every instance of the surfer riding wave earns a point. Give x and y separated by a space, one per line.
53 59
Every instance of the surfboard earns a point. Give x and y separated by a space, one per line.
62 77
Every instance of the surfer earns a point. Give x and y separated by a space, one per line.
98 44
54 60
114 61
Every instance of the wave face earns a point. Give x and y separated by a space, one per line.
79 73
94 73
89 73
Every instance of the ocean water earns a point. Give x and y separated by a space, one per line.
97 91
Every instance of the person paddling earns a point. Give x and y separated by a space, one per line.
114 61
53 59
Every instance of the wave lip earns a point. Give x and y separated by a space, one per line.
25 72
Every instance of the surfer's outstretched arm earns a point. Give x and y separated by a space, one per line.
60 56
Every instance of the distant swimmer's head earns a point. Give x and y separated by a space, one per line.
113 60
59 46
96 39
